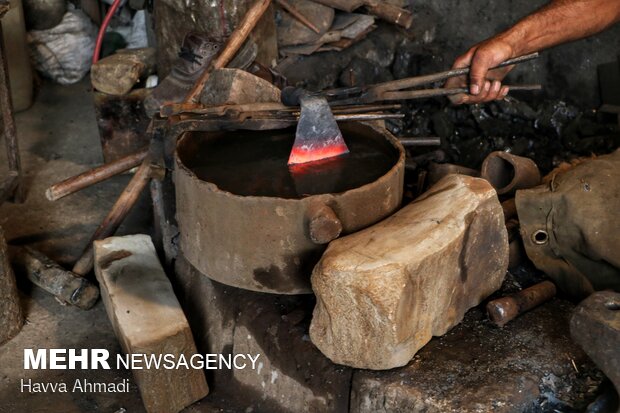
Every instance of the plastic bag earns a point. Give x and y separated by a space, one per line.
64 52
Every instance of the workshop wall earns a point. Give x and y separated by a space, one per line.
566 72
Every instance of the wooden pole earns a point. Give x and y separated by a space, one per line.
235 42
11 317
95 175
115 217
296 14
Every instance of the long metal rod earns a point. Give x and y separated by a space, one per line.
421 94
441 76
416 81
422 141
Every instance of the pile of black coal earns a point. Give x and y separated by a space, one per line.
549 132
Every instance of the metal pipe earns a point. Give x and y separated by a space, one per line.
504 309
421 141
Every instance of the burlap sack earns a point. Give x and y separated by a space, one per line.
571 226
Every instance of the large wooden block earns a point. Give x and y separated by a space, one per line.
148 319
384 292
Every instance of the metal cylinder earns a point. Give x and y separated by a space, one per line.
504 309
271 244
508 172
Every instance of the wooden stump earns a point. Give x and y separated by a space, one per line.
11 318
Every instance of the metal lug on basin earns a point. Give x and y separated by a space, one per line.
324 224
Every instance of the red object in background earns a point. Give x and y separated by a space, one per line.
102 29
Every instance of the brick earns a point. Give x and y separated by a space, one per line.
147 319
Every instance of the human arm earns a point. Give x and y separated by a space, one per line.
558 22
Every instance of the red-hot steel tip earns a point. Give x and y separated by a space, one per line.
308 153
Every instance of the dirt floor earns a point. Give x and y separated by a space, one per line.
58 138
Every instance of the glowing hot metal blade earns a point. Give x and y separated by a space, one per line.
318 136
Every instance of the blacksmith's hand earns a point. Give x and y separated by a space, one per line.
484 85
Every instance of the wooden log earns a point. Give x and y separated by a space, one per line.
117 74
235 42
47 274
384 292
115 217
11 317
147 319
95 175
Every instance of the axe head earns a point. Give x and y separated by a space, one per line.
318 136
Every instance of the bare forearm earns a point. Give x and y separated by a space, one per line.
561 21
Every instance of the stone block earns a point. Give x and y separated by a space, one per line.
292 375
384 292
147 319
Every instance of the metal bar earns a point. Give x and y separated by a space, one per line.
10 134
441 76
369 116
426 141
410 82
422 94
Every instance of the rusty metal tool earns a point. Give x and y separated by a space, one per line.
397 89
95 175
504 309
381 9
595 326
234 43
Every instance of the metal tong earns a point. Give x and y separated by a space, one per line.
397 89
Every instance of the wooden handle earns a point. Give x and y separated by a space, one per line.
115 217
235 42
54 279
297 14
390 13
95 175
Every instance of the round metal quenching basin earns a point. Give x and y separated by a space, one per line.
249 221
